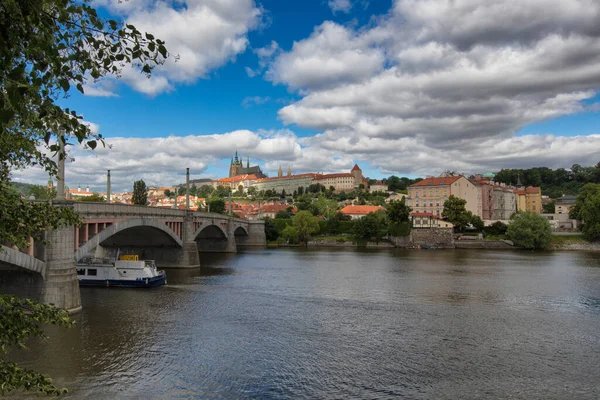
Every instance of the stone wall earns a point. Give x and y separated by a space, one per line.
432 237
483 244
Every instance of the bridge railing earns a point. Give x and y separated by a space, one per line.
126 209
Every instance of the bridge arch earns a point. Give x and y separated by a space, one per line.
120 226
15 258
208 229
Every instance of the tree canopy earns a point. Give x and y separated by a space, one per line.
587 209
306 224
530 231
140 193
456 212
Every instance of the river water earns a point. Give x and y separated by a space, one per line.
340 324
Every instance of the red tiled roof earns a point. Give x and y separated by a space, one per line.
287 177
532 189
356 168
360 210
441 180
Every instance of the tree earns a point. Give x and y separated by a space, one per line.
222 191
477 222
252 191
530 230
40 192
270 230
95 197
549 208
290 233
21 319
140 193
306 224
398 211
497 228
205 191
372 225
587 209
456 212
324 207
216 205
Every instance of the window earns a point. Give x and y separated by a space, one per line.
92 272
430 203
81 271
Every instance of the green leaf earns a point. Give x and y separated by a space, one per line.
163 51
80 87
92 144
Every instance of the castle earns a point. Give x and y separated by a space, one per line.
237 168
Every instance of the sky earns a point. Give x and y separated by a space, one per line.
404 87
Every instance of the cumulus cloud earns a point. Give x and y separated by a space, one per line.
438 84
205 34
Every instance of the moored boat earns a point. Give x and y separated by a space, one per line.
127 271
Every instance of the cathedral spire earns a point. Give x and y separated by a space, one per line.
519 184
279 172
289 170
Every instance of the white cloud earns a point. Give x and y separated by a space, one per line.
420 88
205 34
340 6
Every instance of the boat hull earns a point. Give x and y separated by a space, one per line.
142 282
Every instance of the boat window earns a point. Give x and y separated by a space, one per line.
92 272
81 271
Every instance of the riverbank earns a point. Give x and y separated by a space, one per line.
559 243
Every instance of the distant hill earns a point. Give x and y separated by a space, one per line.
22 188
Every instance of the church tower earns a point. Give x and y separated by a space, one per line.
279 172
289 171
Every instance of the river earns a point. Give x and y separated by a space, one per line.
340 324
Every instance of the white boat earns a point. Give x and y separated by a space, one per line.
127 271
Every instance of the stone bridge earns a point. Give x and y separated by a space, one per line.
172 237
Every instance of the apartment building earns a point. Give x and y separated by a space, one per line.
430 194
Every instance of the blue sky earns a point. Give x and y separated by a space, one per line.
405 87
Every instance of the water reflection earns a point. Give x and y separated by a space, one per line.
345 323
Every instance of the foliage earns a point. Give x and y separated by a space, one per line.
40 192
21 319
477 222
549 208
169 194
221 191
285 214
48 46
587 209
95 197
306 224
216 205
456 212
372 225
204 191
530 230
394 183
252 191
22 219
398 211
290 233
324 206
498 228
271 232
140 193
553 183
399 228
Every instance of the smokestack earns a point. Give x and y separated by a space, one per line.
108 187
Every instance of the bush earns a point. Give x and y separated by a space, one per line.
530 230
498 228
399 228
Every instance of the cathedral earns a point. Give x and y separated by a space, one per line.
237 168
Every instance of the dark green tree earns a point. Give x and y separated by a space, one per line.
549 208
371 226
530 231
169 194
271 232
456 212
140 193
398 211
252 191
206 190
216 205
222 191
587 209
497 228
477 222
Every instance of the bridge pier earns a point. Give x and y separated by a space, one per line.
190 257
60 286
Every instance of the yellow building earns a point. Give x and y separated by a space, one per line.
529 199
430 194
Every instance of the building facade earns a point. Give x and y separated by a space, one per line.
529 199
430 194
237 168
